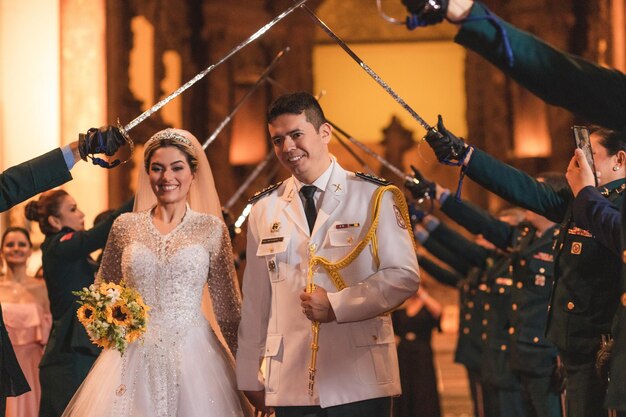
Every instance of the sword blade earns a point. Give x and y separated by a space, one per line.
255 173
143 116
371 153
367 69
251 91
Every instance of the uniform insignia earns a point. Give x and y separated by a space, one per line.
544 256
504 281
372 178
337 187
347 225
275 227
577 248
540 280
580 232
272 240
399 218
271 265
66 237
263 192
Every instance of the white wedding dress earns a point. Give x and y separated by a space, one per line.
179 368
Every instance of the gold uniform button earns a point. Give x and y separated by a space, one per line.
374 337
487 307
466 330
485 322
511 330
470 304
570 305
536 339
624 299
503 347
501 290
520 284
483 336
542 270
313 247
514 307
468 316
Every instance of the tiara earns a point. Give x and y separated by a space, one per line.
169 134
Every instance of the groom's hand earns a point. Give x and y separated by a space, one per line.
257 399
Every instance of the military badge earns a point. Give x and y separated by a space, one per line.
271 265
540 280
337 187
399 218
275 227
577 248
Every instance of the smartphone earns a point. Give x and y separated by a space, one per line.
581 139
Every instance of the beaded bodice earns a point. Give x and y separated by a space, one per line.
170 270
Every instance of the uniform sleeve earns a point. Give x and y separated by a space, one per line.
478 221
596 93
445 255
517 187
224 289
397 276
594 212
458 244
111 266
442 275
32 177
255 313
77 245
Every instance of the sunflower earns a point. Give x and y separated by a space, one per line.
134 335
85 314
119 314
142 304
106 286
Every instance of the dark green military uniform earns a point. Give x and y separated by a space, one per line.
32 177
69 353
592 210
584 298
467 258
532 357
594 92
17 184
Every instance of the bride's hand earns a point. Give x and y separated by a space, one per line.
257 399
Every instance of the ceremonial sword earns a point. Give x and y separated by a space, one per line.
143 116
251 91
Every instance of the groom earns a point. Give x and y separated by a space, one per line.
321 211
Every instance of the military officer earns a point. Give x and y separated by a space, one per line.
18 183
532 358
298 230
586 274
593 211
471 260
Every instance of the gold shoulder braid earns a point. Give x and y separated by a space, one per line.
333 268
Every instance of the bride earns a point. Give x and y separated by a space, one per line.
173 243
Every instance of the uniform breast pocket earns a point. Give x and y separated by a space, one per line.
274 251
342 241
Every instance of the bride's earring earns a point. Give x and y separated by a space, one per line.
616 167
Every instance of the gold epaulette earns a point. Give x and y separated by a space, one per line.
264 191
372 178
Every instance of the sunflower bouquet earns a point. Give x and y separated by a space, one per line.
114 315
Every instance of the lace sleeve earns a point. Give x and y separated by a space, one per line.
111 266
224 289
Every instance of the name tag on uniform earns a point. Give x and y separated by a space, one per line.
272 240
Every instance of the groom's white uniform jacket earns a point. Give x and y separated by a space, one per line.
357 357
